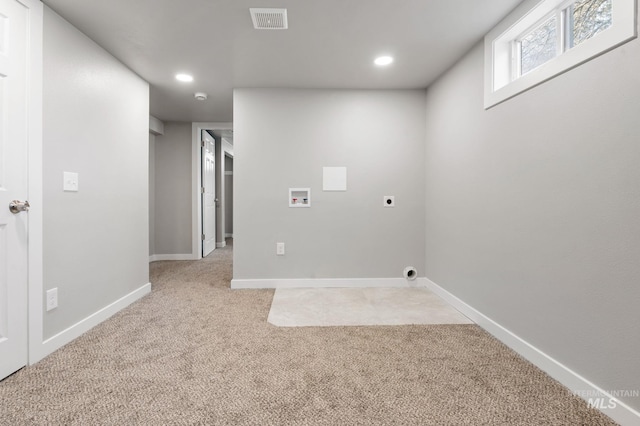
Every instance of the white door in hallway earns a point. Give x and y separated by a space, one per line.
208 194
14 47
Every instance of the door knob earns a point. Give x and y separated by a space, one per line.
19 206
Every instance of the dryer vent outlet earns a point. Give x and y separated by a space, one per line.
410 273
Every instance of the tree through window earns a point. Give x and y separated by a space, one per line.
564 29
586 19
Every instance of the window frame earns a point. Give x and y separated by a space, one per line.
501 51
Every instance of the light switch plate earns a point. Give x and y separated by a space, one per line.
70 181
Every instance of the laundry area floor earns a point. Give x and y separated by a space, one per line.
360 306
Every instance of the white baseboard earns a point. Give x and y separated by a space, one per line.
221 245
158 257
577 384
228 235
59 340
328 283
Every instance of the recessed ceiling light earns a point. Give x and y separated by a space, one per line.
383 60
186 78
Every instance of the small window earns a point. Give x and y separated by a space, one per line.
585 19
542 39
538 46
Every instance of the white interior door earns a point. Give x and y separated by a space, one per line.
208 194
14 21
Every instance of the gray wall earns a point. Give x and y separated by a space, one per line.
173 204
220 192
96 123
152 194
228 194
533 207
283 138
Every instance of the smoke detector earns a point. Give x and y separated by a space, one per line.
269 18
201 96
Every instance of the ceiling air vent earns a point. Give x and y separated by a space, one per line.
269 19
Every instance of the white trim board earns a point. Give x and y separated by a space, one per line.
221 244
327 283
622 413
158 257
59 340
35 181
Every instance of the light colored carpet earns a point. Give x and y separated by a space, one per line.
194 352
304 307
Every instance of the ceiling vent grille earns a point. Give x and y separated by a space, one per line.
269 19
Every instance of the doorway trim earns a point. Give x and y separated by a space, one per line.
224 150
196 181
36 350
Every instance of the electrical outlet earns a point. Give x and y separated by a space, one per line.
280 249
52 299
389 201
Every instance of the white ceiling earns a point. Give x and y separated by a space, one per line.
329 44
